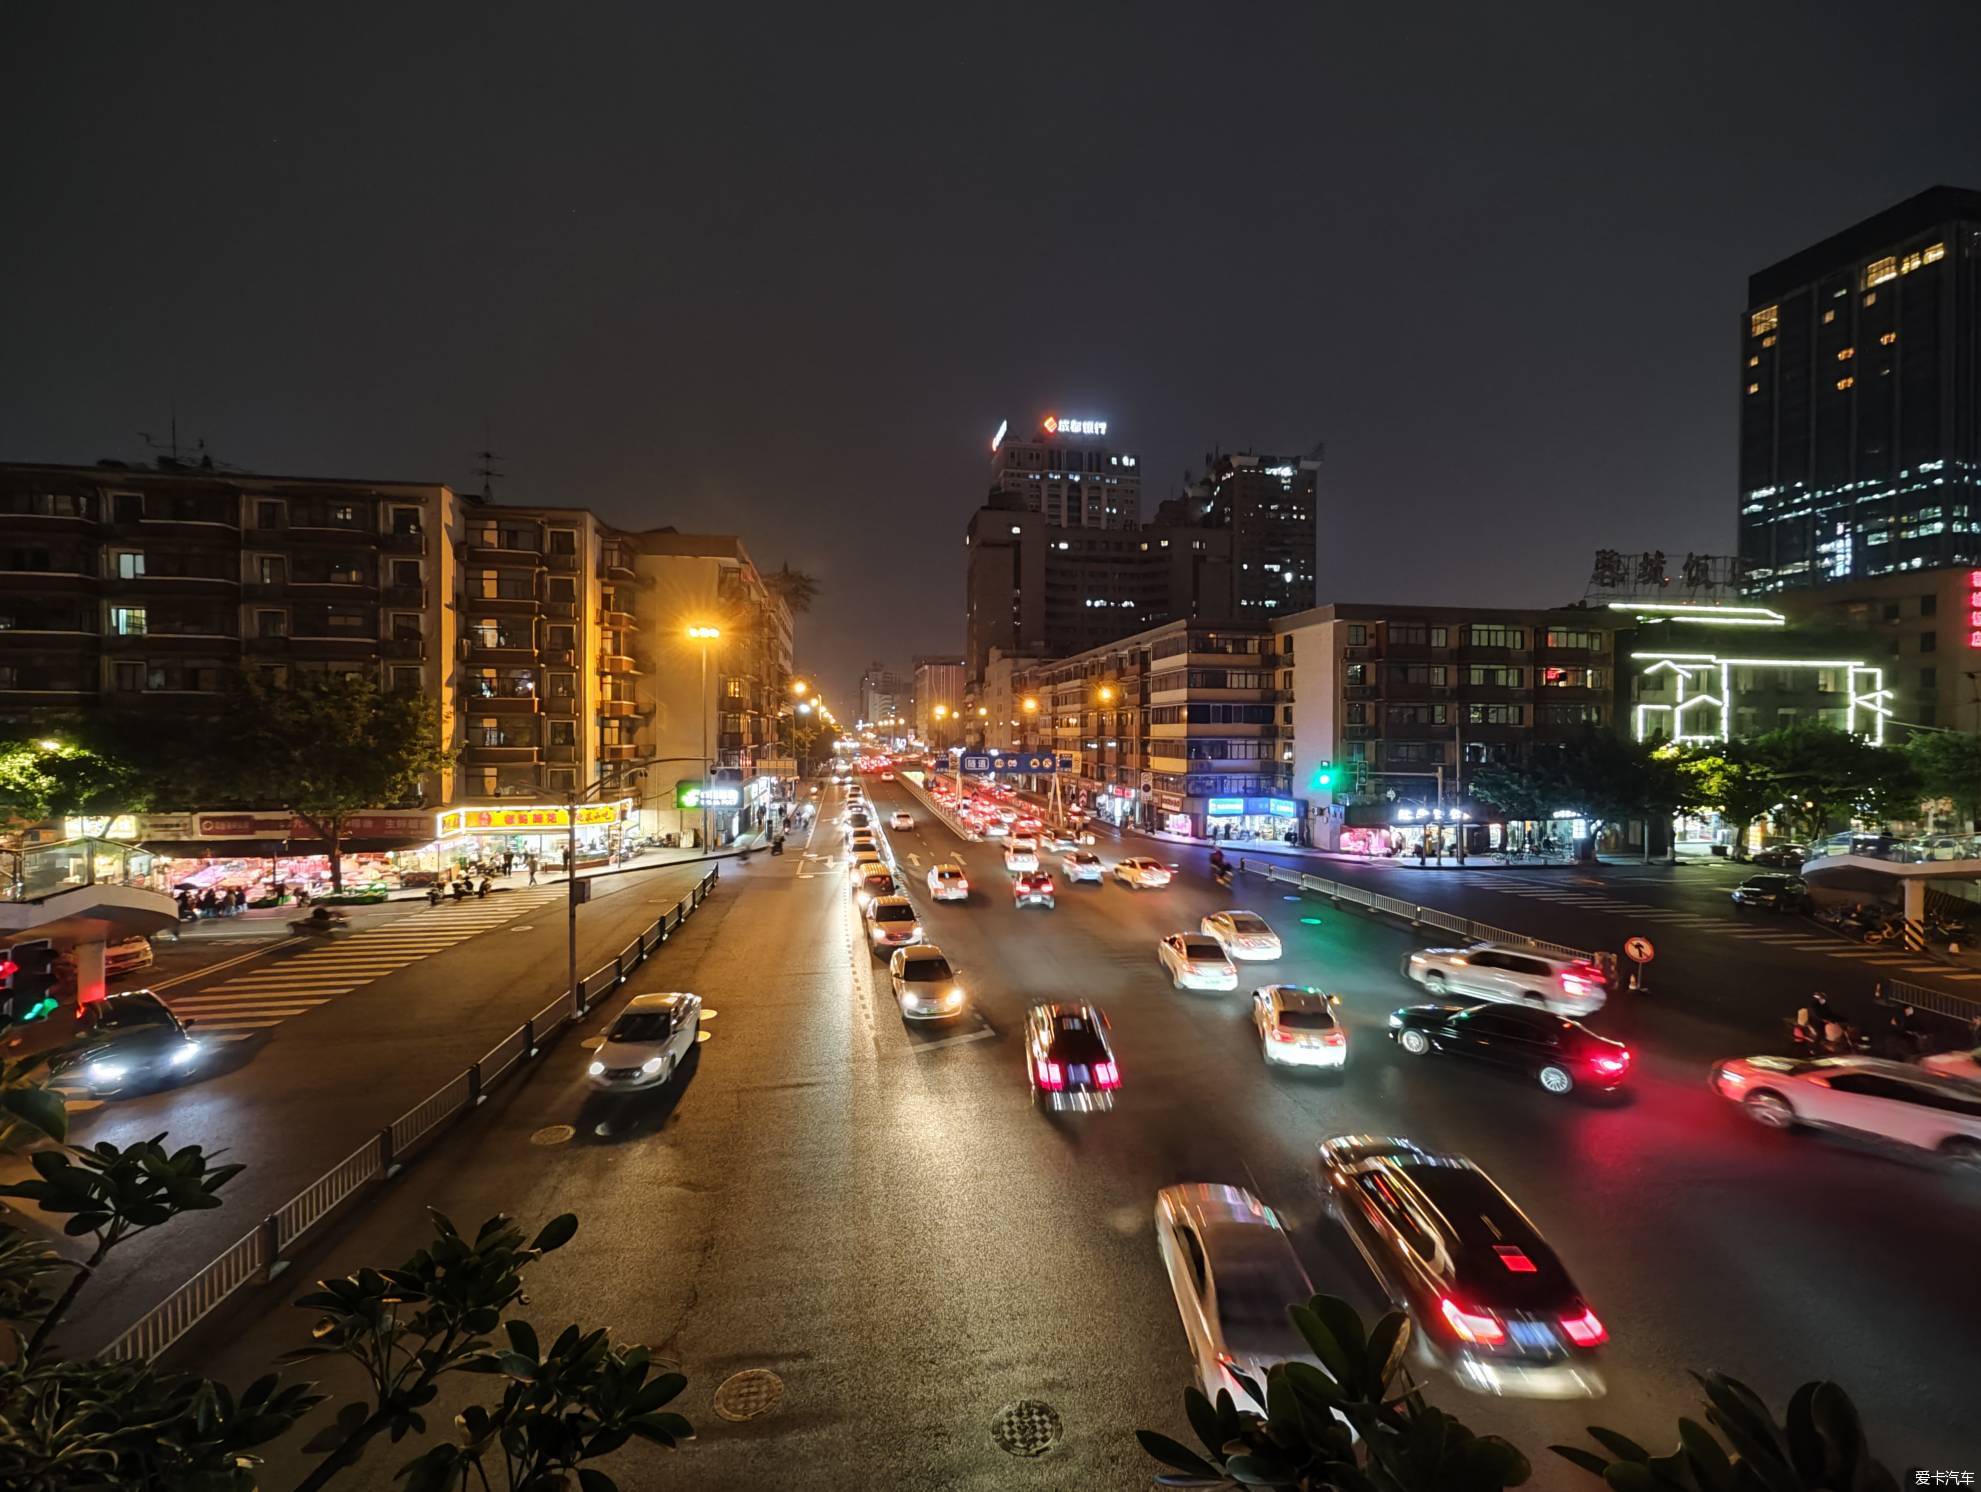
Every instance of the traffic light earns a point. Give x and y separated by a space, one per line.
30 980
1323 778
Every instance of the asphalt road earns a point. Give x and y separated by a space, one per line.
315 1047
876 1214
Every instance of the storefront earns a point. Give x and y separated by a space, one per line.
269 856
1171 817
465 836
1120 804
1395 830
1263 819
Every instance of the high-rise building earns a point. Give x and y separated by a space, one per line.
1267 505
881 695
1065 469
1860 414
938 685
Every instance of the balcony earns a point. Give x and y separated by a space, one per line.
515 547
499 648
617 709
314 534
496 750
562 610
1358 652
472 701
405 541
267 647
563 562
405 595
617 564
618 751
413 648
609 617
616 663
504 605
561 704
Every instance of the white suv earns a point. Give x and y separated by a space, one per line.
1515 976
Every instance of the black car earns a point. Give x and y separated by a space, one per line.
1778 893
135 1041
1559 1053
1492 1303
1781 856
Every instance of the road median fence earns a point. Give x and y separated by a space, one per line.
264 1252
1417 916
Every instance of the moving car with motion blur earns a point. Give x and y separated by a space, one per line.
863 839
891 923
651 1038
1020 856
1297 1027
1893 1102
1520 976
1781 856
1775 893
1560 1054
901 819
1067 1057
1233 1272
926 985
1196 962
1955 1064
887 774
1032 888
1059 841
993 827
1140 873
1242 935
133 1042
1493 1305
947 882
1083 865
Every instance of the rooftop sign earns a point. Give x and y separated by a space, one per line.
1056 426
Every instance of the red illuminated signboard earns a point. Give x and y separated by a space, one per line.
1974 608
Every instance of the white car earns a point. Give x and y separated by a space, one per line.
926 986
1516 976
127 955
1196 962
1891 1101
652 1037
1021 856
1297 1027
1083 865
947 882
901 819
1955 1064
1234 1273
994 828
1243 935
1141 873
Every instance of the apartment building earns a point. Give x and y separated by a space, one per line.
937 682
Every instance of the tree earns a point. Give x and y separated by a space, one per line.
1401 1443
327 745
798 589
1822 772
56 776
1599 776
1949 766
1733 779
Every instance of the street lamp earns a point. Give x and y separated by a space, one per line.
49 743
1105 694
705 636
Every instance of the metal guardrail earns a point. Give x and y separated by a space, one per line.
1415 915
258 1256
1953 1007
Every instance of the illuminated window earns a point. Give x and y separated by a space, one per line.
1934 253
1753 388
1768 341
1844 383
1763 320
1871 299
1887 339
1828 317
1754 362
1847 354
1880 270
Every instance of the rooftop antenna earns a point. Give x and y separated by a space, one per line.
171 445
486 471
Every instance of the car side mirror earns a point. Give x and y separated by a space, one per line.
188 1023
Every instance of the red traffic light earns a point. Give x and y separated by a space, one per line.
8 968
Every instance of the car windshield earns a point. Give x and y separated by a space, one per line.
127 1014
1306 1020
949 875
1247 922
932 970
894 914
643 1025
1199 946
1086 857
1500 1260
1251 1307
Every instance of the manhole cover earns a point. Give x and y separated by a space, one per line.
552 1134
1026 1427
748 1394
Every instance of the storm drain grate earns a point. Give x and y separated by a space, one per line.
552 1134
748 1394
1026 1427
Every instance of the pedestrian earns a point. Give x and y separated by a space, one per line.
1423 848
1902 1035
531 862
508 861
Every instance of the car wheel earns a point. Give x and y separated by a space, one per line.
1414 1042
1963 1152
1769 1109
1435 982
1556 1079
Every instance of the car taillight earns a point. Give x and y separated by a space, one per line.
1107 1075
1481 1328
1611 1063
1280 1033
1574 984
1051 1075
1335 1037
1585 1330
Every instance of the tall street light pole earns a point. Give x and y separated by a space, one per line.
705 636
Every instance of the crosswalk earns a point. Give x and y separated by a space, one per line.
246 1003
1575 892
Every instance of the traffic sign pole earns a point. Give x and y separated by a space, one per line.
1639 951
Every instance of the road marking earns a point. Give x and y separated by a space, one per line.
1964 977
929 1046
242 958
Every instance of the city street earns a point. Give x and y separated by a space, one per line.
314 1046
876 1214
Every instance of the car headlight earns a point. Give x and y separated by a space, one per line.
876 932
954 997
596 1068
106 1072
651 1065
186 1053
1395 1021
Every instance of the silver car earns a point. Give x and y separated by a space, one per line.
1243 934
1234 1274
926 985
651 1038
1516 976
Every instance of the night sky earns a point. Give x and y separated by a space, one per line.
782 270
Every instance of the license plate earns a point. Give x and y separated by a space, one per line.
1532 1334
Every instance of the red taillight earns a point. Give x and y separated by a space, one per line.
1051 1075
1335 1037
1482 1329
1107 1075
1585 1330
1574 984
1610 1063
1280 1033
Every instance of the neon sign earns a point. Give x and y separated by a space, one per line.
998 439
1974 608
1056 426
